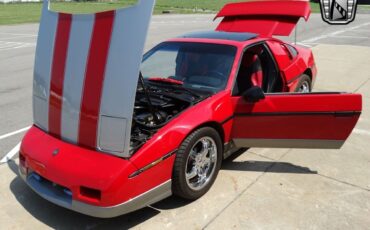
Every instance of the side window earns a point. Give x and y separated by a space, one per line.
292 52
257 68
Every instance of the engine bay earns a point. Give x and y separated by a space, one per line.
153 113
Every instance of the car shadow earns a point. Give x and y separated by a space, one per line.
263 166
60 218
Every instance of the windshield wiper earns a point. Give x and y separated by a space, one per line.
180 87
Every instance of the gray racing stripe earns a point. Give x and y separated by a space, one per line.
78 50
121 77
42 68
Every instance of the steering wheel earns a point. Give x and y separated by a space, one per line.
216 74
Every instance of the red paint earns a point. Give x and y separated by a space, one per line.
313 117
94 78
76 166
263 17
167 80
57 73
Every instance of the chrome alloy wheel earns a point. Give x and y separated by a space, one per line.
201 163
304 88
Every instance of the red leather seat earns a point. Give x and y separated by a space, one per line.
253 63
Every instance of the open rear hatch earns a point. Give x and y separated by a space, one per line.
86 73
266 18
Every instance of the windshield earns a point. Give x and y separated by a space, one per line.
198 66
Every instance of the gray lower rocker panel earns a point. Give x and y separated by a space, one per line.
152 196
289 143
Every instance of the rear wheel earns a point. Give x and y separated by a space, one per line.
197 163
304 84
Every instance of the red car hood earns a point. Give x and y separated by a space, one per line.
86 73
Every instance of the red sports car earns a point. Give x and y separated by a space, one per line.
114 132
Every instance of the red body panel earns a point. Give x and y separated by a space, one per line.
215 109
74 166
311 116
263 17
291 68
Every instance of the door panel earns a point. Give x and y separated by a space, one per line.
313 120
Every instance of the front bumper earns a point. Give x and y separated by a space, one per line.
56 195
87 181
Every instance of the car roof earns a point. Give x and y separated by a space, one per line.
220 35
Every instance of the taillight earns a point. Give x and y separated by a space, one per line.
22 164
22 160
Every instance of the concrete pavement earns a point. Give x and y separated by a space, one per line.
259 189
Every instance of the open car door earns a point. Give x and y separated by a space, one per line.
266 18
86 74
314 120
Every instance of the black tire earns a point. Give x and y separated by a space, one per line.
180 187
304 80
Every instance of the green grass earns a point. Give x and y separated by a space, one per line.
16 13
367 7
315 7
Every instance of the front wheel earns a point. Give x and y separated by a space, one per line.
304 84
197 163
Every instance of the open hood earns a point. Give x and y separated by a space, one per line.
266 18
86 73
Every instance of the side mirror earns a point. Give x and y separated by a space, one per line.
254 94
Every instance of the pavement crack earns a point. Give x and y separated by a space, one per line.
273 163
235 198
262 156
364 83
343 182
318 174
244 190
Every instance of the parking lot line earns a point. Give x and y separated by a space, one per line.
362 30
16 34
361 131
17 37
351 37
11 154
14 133
15 46
336 33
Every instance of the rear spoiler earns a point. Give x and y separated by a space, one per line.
266 18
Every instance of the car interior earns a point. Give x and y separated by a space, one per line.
257 68
206 67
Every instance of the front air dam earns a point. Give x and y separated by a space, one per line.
86 181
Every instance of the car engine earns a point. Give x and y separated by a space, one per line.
149 117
